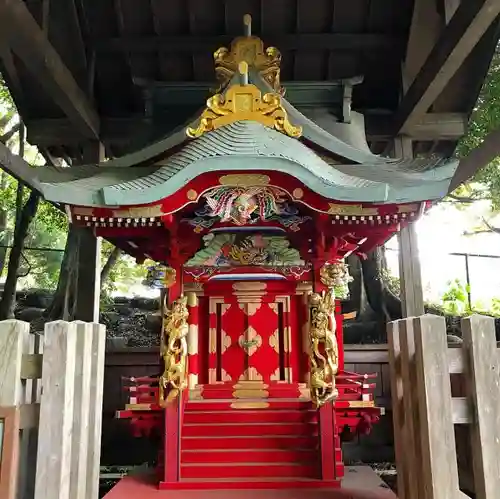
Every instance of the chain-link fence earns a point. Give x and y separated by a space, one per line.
478 275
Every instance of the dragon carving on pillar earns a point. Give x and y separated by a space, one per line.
174 350
324 352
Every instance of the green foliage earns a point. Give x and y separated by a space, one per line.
485 119
392 283
124 274
455 299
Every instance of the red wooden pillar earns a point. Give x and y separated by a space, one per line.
172 442
327 441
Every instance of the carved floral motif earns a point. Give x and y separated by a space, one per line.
229 249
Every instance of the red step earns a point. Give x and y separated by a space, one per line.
249 416
230 391
259 429
249 455
254 442
232 404
249 470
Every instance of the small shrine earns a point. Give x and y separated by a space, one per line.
250 210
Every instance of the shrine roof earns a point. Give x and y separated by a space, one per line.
248 146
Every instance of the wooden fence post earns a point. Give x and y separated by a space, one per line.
433 387
411 429
483 383
14 340
56 412
81 421
397 408
95 407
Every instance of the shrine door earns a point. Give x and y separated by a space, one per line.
249 339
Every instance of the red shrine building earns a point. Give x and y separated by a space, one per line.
251 208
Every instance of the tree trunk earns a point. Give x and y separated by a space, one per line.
9 292
370 298
63 302
4 235
110 263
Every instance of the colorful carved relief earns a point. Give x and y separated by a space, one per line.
232 249
246 206
174 350
242 204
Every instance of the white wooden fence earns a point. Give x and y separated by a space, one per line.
53 385
425 412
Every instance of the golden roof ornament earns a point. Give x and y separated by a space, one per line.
249 49
244 102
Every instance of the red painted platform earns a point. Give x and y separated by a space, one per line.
360 483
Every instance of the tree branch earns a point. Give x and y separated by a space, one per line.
477 159
8 135
110 263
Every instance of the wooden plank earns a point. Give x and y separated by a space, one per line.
438 464
457 40
31 366
20 31
393 339
14 336
120 131
81 411
30 416
9 452
95 404
56 412
303 41
411 423
484 383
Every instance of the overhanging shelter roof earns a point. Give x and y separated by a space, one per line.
74 69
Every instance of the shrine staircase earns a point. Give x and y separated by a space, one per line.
241 433
249 435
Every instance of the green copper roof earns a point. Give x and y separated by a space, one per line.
245 145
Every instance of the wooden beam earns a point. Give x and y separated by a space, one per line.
59 132
469 23
312 41
20 31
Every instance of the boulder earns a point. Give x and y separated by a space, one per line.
152 304
29 314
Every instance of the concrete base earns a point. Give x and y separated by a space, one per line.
360 482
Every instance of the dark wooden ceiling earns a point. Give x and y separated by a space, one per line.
109 45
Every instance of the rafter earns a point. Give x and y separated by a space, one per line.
468 24
20 31
313 41
121 131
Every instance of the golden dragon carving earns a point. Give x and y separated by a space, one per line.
174 350
324 352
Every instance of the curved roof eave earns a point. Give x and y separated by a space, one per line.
370 192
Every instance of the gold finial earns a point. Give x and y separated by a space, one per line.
247 23
244 103
250 49
243 70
